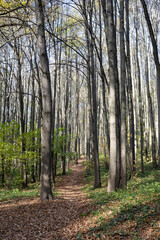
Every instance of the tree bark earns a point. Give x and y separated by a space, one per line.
46 192
95 153
77 114
151 114
112 56
130 93
140 101
157 63
123 100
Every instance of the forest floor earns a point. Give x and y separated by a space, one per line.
71 215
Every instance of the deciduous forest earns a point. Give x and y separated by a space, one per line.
80 119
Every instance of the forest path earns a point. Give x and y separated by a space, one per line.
60 219
70 185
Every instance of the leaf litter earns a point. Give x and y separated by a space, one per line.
68 217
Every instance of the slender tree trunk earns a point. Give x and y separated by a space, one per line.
66 123
32 115
130 93
151 114
22 120
123 100
140 102
157 63
3 137
105 109
40 105
89 132
118 113
95 153
77 114
54 112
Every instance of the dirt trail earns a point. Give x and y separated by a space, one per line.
60 219
71 185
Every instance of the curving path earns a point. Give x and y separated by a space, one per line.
60 219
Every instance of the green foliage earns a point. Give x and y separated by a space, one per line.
60 138
15 162
20 153
138 205
103 169
31 191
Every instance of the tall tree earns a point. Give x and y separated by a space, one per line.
77 114
130 91
112 56
95 153
139 98
157 63
151 115
46 192
123 100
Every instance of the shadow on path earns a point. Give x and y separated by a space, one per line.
59 219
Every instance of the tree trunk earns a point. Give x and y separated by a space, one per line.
130 93
95 153
77 115
123 100
32 116
157 63
151 114
112 56
140 101
46 192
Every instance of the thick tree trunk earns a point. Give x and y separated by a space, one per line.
112 56
46 192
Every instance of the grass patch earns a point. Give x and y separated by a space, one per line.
32 191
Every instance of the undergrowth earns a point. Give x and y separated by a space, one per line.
130 213
32 191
